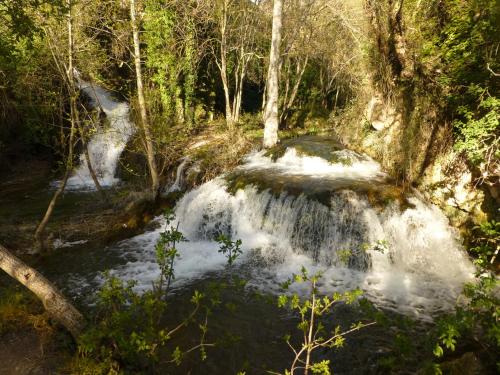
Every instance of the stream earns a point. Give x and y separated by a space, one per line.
302 204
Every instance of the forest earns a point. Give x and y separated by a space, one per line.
249 187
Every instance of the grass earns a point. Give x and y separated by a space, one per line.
19 309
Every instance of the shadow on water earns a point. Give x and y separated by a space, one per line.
297 210
248 328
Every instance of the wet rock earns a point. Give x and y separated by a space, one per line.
320 146
381 114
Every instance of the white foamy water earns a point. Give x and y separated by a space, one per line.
420 273
178 184
353 166
107 144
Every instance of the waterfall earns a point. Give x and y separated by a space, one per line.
420 270
107 144
179 176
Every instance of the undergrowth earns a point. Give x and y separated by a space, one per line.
19 309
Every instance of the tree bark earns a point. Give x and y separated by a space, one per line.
39 233
59 308
271 118
289 101
155 184
239 78
223 64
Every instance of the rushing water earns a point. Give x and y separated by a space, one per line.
107 144
179 176
303 210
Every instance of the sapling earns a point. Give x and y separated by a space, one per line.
231 249
166 253
129 329
312 311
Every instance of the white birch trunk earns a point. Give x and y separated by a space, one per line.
271 118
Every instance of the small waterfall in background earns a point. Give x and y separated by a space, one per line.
178 183
107 144
300 210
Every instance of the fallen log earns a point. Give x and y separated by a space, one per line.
58 306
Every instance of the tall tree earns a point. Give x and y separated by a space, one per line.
236 45
148 142
172 54
271 118
69 72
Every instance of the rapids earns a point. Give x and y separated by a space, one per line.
403 252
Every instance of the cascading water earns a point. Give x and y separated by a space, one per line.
106 145
179 176
419 271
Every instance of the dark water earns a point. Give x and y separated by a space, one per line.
248 328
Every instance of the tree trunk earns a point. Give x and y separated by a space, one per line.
239 78
39 233
271 119
90 168
223 66
83 137
155 184
59 308
289 102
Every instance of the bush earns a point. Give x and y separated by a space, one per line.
128 331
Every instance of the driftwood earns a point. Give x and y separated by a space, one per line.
58 306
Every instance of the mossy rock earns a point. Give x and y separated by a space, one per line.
319 146
379 194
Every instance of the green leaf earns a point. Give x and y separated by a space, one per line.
438 351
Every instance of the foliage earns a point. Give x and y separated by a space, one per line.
477 318
172 58
29 91
459 50
128 332
479 136
486 243
33 92
463 36
436 62
312 311
230 249
166 252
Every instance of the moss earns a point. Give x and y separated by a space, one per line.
86 365
275 152
20 309
310 145
382 196
239 181
379 195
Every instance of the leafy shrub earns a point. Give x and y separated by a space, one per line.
479 136
128 331
311 311
478 318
